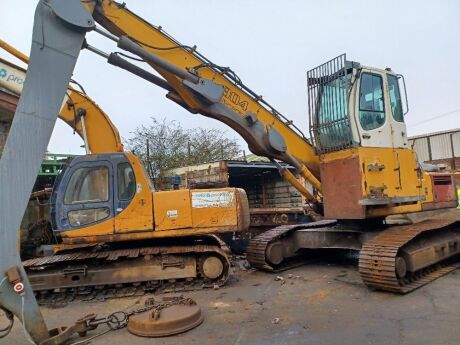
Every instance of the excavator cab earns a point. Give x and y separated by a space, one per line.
93 193
109 197
357 126
352 105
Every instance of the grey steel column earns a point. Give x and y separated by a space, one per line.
54 52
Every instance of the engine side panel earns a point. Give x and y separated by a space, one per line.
370 182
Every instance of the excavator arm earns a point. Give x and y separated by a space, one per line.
121 22
78 110
203 87
193 82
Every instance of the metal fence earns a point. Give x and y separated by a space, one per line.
328 89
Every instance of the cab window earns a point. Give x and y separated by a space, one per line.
371 102
88 185
126 181
333 122
395 98
88 216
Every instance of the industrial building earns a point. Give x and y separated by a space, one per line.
441 148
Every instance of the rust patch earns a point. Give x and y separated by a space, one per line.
317 297
342 189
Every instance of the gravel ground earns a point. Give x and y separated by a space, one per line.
321 303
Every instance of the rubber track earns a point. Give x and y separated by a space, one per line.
378 256
136 288
255 252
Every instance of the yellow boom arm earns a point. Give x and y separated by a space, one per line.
200 86
191 77
78 110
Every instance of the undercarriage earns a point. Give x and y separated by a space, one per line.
129 269
396 258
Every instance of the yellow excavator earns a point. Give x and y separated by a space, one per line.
116 229
357 163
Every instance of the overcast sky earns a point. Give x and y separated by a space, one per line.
271 44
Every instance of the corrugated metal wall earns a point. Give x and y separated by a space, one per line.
421 147
436 146
456 143
440 147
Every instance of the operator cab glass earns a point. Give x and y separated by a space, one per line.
333 113
88 185
351 105
371 102
126 181
93 190
395 98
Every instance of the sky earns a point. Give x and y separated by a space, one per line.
271 44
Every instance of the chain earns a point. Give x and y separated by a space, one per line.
119 319
181 300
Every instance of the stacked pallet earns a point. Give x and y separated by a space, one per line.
264 187
272 192
191 176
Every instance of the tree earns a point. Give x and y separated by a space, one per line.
165 145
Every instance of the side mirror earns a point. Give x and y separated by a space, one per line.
401 77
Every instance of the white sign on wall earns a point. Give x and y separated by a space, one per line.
11 79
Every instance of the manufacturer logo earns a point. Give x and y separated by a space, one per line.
235 99
3 73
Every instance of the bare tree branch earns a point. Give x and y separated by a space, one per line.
172 146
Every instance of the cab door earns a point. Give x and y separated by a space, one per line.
372 118
132 196
398 127
84 199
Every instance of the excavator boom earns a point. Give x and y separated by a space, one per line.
236 96
78 110
203 87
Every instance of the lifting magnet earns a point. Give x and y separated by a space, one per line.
169 320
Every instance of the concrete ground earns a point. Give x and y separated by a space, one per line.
322 303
